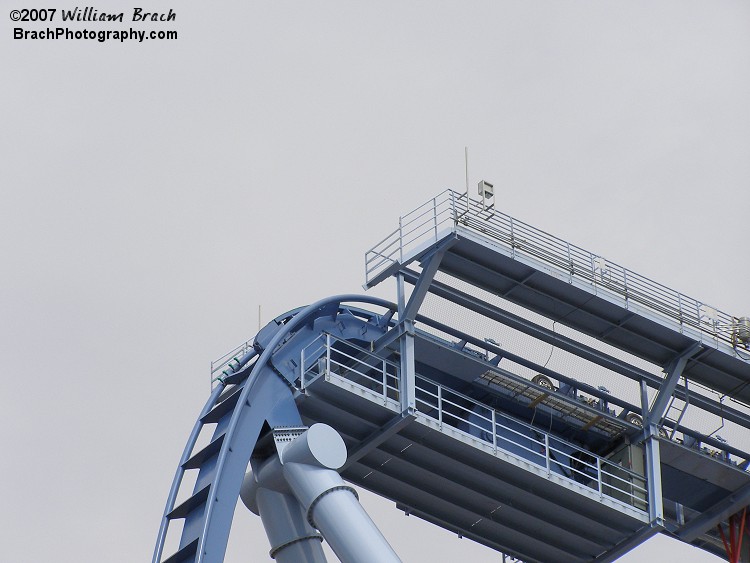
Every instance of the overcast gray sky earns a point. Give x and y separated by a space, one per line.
153 195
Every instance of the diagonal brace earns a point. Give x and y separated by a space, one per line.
668 386
388 338
430 267
393 426
715 515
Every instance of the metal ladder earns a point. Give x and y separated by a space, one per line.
679 411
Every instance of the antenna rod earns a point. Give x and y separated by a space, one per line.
466 163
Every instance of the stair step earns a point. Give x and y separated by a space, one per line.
197 459
190 504
226 405
239 376
186 554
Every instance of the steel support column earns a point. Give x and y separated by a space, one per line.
653 465
407 382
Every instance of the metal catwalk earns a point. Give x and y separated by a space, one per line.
451 427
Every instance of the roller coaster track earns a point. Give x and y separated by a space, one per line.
439 422
250 395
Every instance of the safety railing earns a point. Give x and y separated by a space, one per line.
450 209
419 227
340 358
516 438
331 356
224 364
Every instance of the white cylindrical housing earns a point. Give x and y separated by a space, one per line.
331 505
319 445
742 329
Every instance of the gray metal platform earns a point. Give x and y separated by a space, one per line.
447 476
572 286
433 418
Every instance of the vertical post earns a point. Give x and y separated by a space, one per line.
494 430
385 382
680 514
625 286
593 270
440 405
546 455
512 240
653 463
434 216
599 476
407 383
302 369
400 295
570 265
400 240
653 478
328 354
408 375
466 162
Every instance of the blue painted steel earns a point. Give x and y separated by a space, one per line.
668 386
715 515
523 442
174 489
629 544
264 392
264 396
267 389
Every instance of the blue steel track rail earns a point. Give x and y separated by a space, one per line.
263 397
259 391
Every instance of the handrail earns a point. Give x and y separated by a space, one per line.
449 208
421 224
333 357
229 360
574 463
328 354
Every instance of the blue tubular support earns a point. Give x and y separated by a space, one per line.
271 399
454 428
222 533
